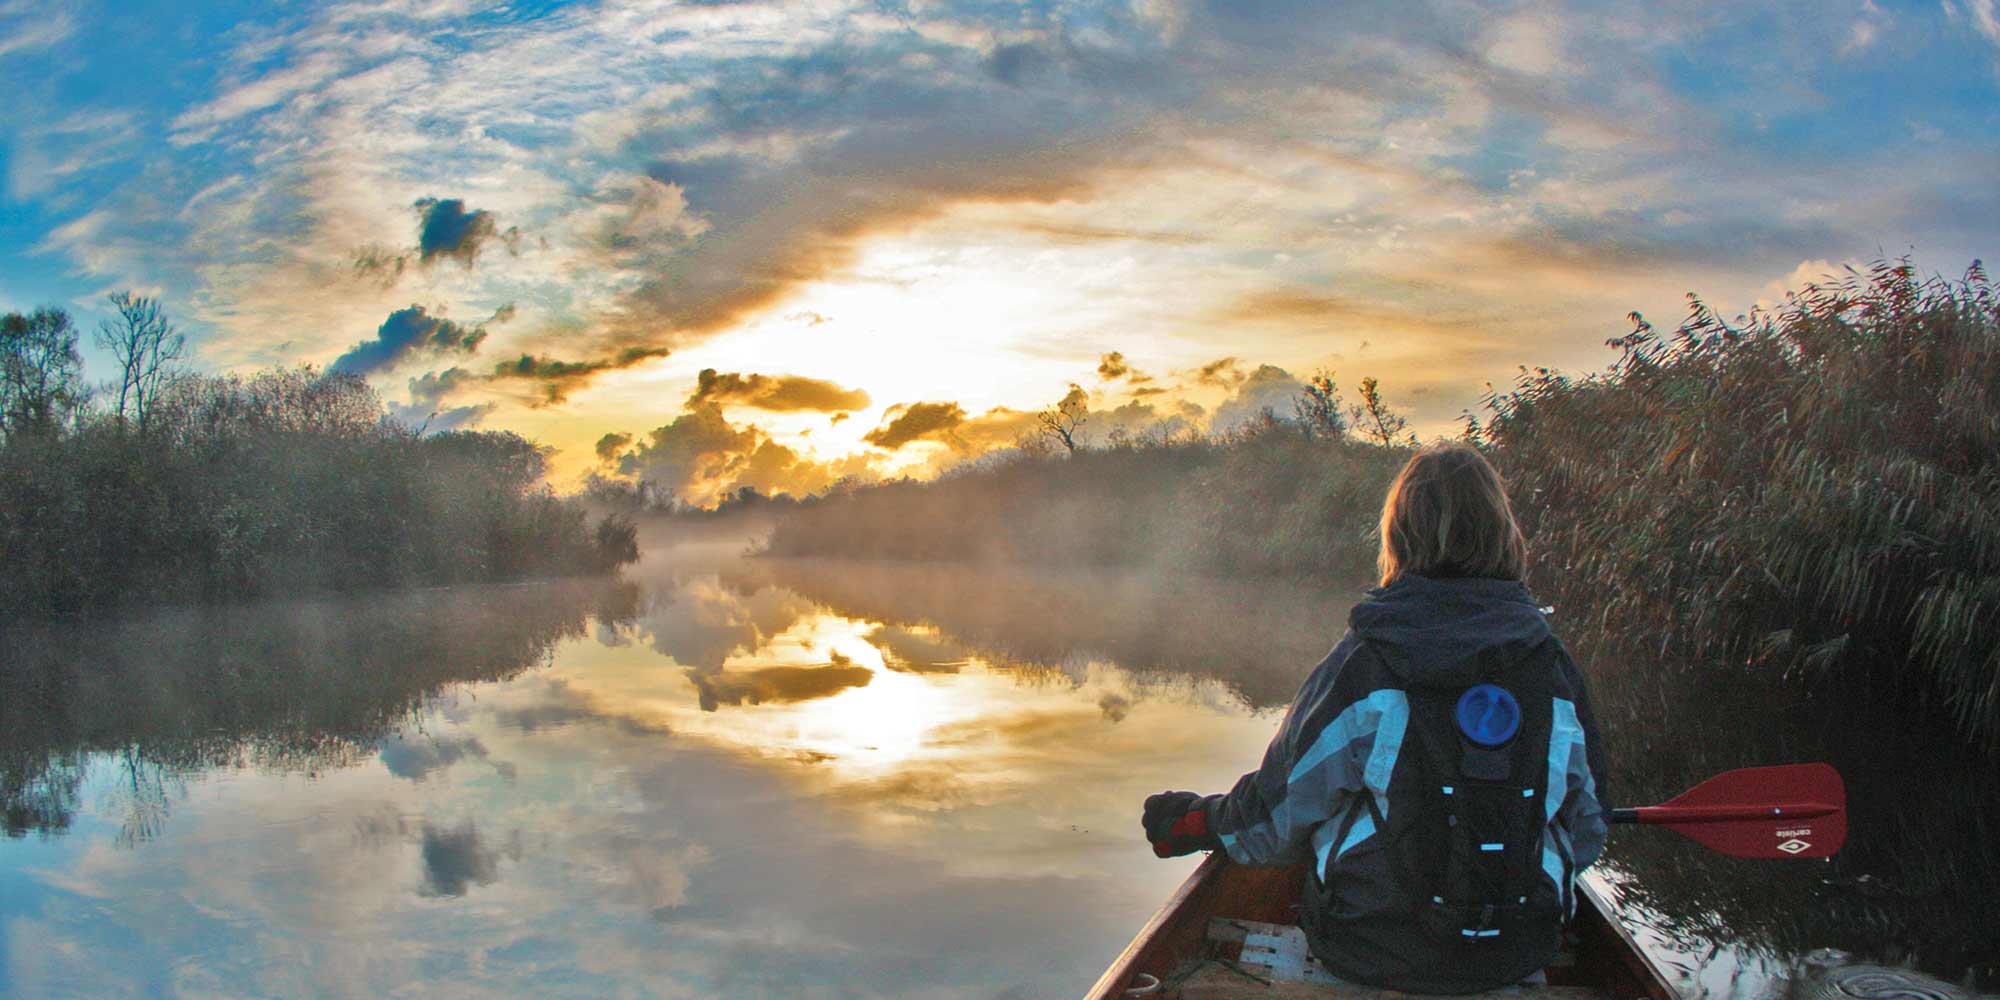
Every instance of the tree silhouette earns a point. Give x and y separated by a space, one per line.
145 345
1375 420
1317 407
41 373
1061 422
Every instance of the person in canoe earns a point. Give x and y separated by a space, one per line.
1441 768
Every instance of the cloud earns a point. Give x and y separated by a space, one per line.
695 166
415 759
1268 388
407 332
778 393
443 421
1112 367
1527 42
427 409
643 218
912 650
456 859
610 445
446 229
557 378
1860 35
1984 18
700 457
778 684
432 388
25 27
999 427
912 422
1137 420
257 94
1223 373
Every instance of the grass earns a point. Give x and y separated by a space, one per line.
1815 490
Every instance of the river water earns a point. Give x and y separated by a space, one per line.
728 777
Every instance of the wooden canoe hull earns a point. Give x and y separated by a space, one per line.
1606 958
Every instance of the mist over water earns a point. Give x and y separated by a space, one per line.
753 777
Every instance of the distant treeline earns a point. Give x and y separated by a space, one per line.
1812 489
1266 500
178 487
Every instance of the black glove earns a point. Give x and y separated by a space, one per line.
1177 824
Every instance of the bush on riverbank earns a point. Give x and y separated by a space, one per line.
284 483
1817 488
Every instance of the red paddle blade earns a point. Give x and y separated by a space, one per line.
1791 811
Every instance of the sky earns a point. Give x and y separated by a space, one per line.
717 244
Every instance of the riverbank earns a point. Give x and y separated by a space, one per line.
1810 492
287 483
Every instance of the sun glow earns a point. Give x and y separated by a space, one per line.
882 724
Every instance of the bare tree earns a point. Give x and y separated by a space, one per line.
1317 407
1061 421
1374 418
145 344
41 373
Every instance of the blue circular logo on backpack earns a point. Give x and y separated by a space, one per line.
1488 715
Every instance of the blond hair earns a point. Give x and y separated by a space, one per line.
1447 515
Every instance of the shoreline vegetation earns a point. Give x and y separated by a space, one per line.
181 488
1813 491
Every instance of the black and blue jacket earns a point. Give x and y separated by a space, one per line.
1364 779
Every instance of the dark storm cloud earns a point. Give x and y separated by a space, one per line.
775 392
446 229
456 859
405 333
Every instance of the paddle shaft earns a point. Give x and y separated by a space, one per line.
1662 815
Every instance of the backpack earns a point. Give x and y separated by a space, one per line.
1472 808
1452 895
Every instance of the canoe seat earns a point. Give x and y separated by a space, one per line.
1275 963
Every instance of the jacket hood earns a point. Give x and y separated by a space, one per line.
1449 632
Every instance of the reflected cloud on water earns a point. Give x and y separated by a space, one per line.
726 788
756 778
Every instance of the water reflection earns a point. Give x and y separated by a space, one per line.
1912 887
708 784
296 687
756 778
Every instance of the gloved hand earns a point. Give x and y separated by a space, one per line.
1177 824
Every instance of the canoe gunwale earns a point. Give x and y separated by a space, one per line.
1179 928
